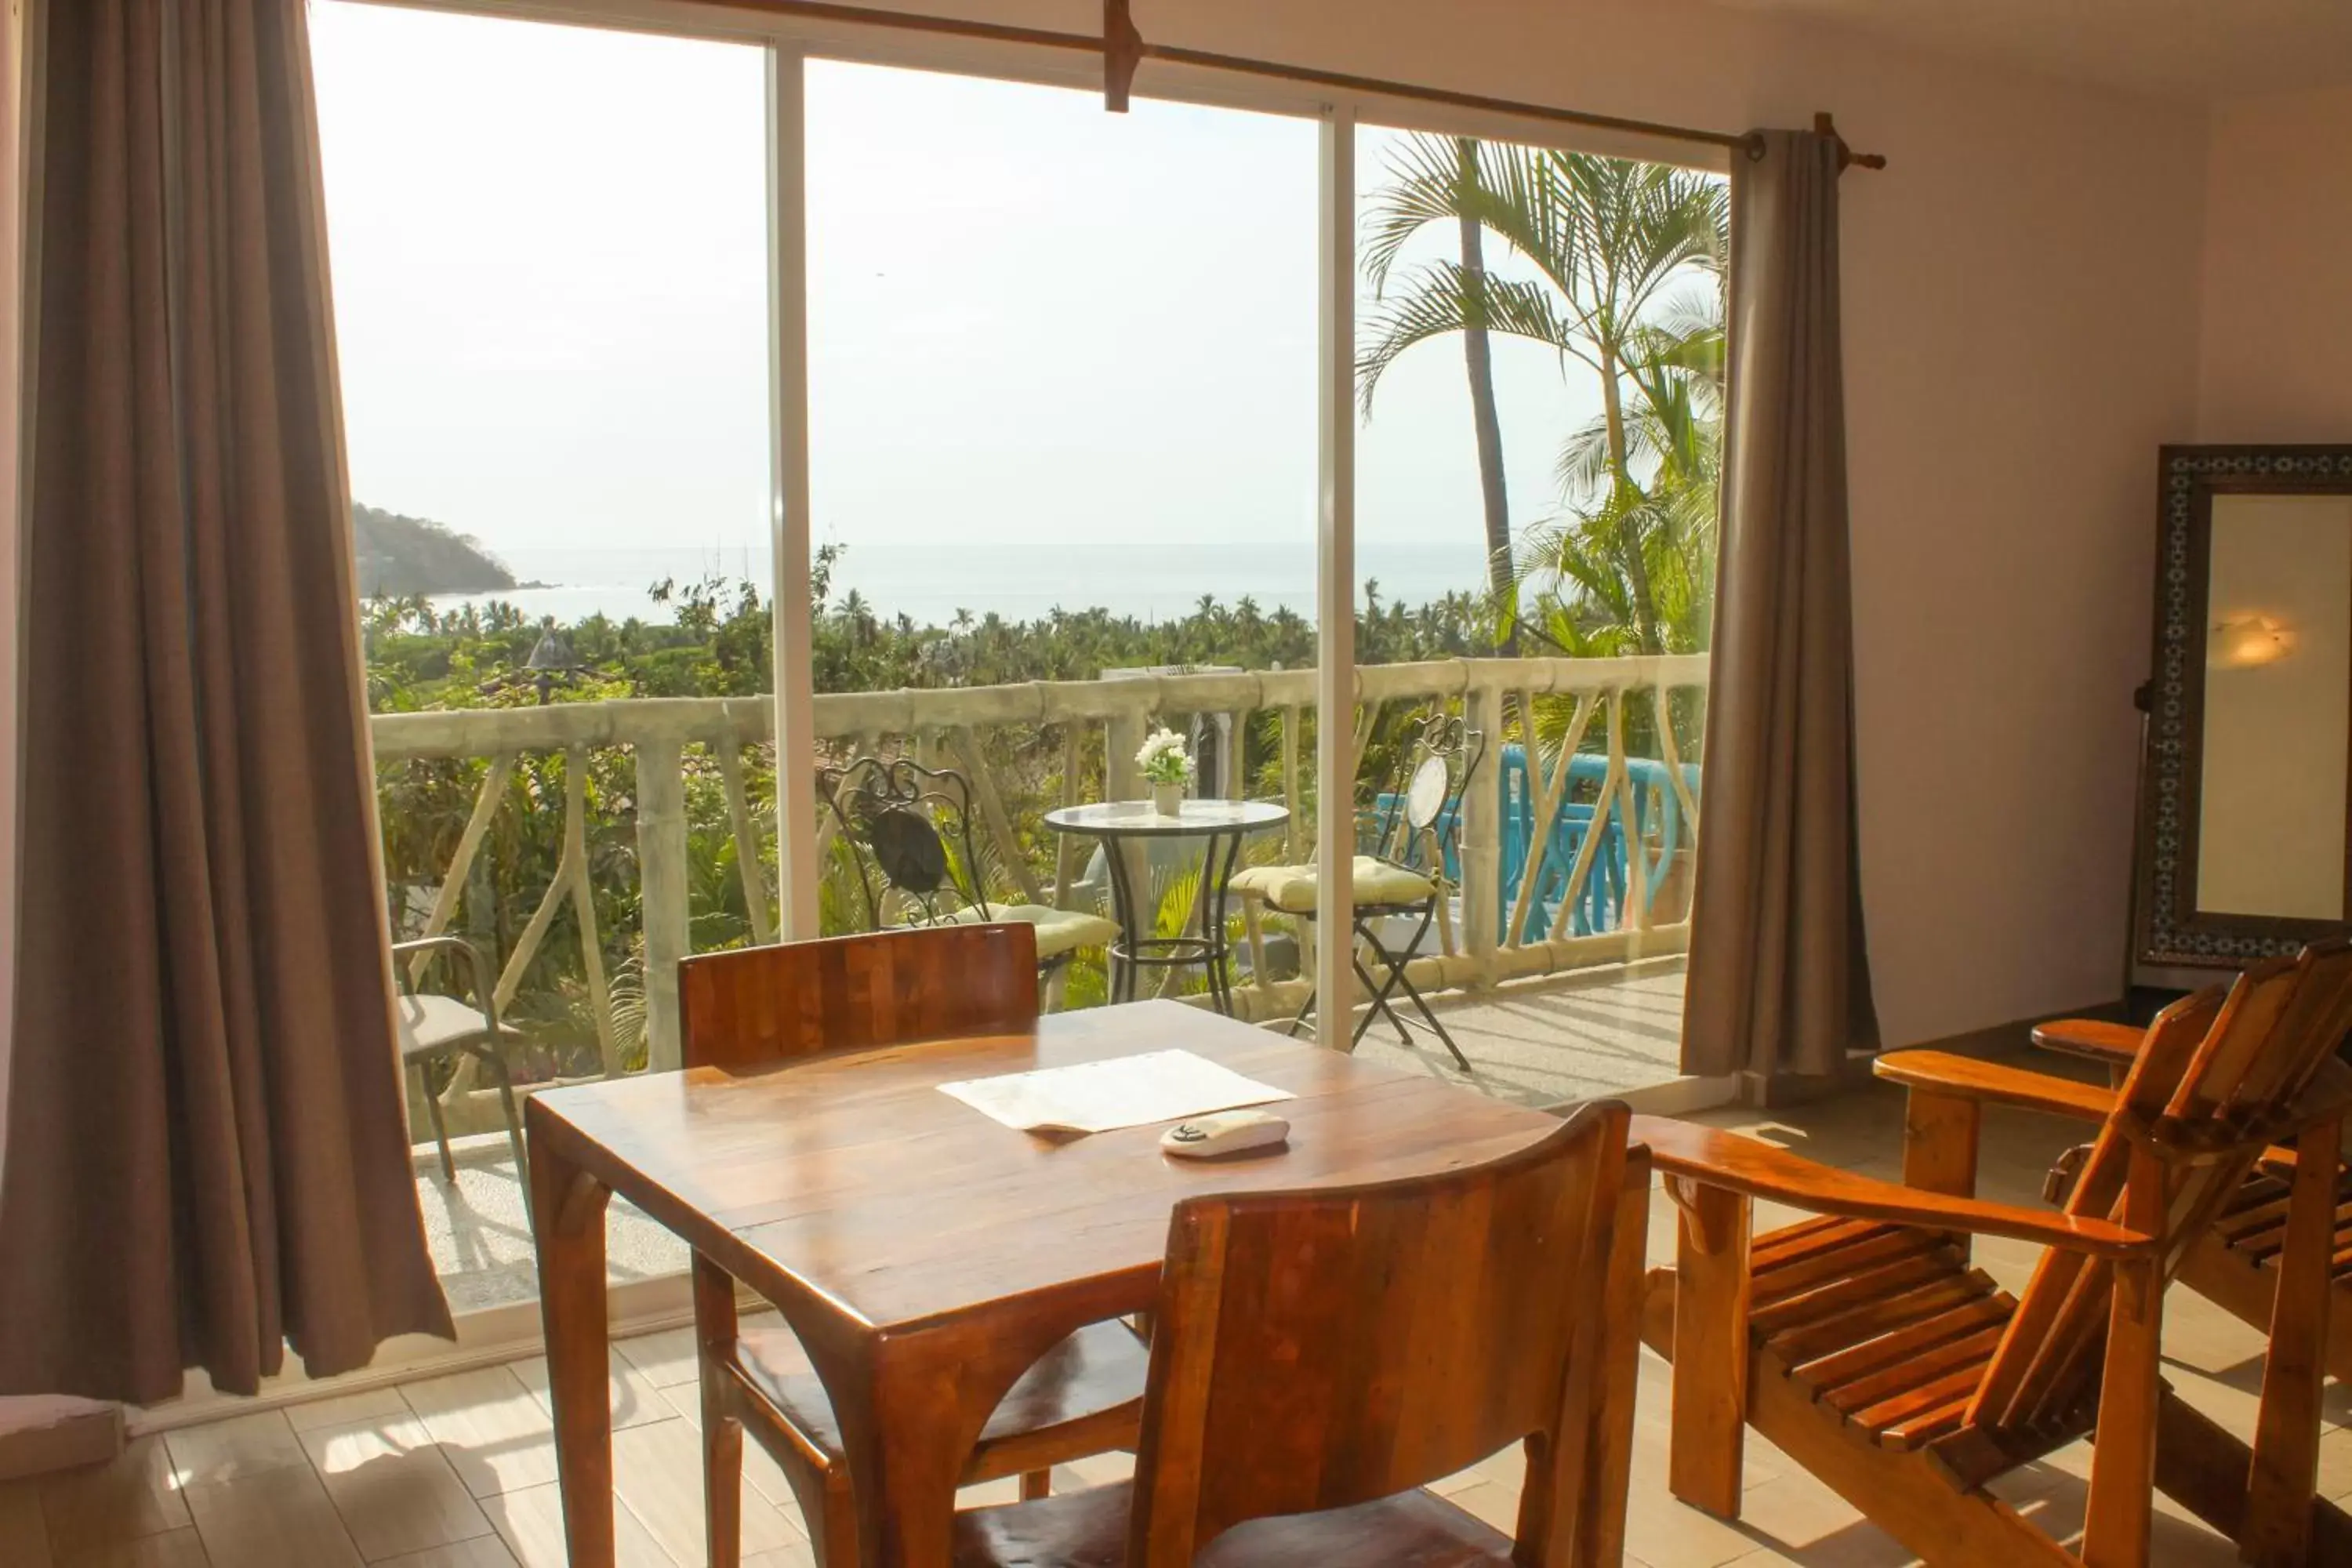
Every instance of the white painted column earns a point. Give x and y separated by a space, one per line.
1335 588
797 868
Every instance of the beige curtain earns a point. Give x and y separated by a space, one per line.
205 1159
1780 983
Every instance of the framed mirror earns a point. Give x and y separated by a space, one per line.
2243 850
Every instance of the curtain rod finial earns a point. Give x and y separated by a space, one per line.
1824 125
1123 52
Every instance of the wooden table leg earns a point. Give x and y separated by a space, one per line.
910 1408
568 1222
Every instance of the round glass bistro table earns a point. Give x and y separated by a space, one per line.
1225 823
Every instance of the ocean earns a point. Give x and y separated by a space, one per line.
1151 577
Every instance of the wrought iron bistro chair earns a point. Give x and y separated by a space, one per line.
435 1027
1414 830
909 831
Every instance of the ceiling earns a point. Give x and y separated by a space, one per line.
2179 48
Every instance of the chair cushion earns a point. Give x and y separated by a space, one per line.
1291 889
430 1024
1058 930
1084 1397
1088 1530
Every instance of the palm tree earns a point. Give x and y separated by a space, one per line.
1613 244
1432 182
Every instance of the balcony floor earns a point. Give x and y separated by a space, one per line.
480 1237
459 1468
1587 1036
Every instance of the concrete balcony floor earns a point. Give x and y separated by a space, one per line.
1595 1033
480 1237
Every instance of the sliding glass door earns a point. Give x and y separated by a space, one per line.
1539 371
549 249
1061 381
722 414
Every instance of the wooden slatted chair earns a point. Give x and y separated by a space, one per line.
757 1009
1864 1345
1321 1356
2236 1264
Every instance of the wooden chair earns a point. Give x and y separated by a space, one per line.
2236 1264
1866 1347
1321 1356
759 1008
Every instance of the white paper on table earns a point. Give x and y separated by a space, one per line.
1121 1092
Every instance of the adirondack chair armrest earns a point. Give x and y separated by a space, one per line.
1715 1158
1969 1077
2115 1044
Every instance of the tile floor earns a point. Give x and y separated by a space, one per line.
458 1471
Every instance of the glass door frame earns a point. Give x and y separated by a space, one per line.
789 42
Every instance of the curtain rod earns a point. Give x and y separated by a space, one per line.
1123 48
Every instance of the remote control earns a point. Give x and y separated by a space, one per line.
1227 1132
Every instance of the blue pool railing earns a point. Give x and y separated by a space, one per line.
1601 905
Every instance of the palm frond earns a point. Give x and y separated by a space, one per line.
1442 297
1424 186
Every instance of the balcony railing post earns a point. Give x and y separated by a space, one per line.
1482 827
661 863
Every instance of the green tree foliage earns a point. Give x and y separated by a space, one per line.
718 643
1627 266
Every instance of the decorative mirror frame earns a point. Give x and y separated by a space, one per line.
2170 928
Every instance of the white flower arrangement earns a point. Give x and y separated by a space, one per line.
1163 757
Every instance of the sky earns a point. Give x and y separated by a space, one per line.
1031 322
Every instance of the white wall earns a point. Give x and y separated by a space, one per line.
2277 333
2021 300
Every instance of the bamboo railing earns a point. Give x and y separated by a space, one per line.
1490 946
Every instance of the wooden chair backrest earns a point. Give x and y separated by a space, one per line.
755 1007
2218 1076
1316 1349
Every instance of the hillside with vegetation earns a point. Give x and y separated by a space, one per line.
405 555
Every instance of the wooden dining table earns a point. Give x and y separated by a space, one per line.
926 1255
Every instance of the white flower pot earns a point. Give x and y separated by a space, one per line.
1167 799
